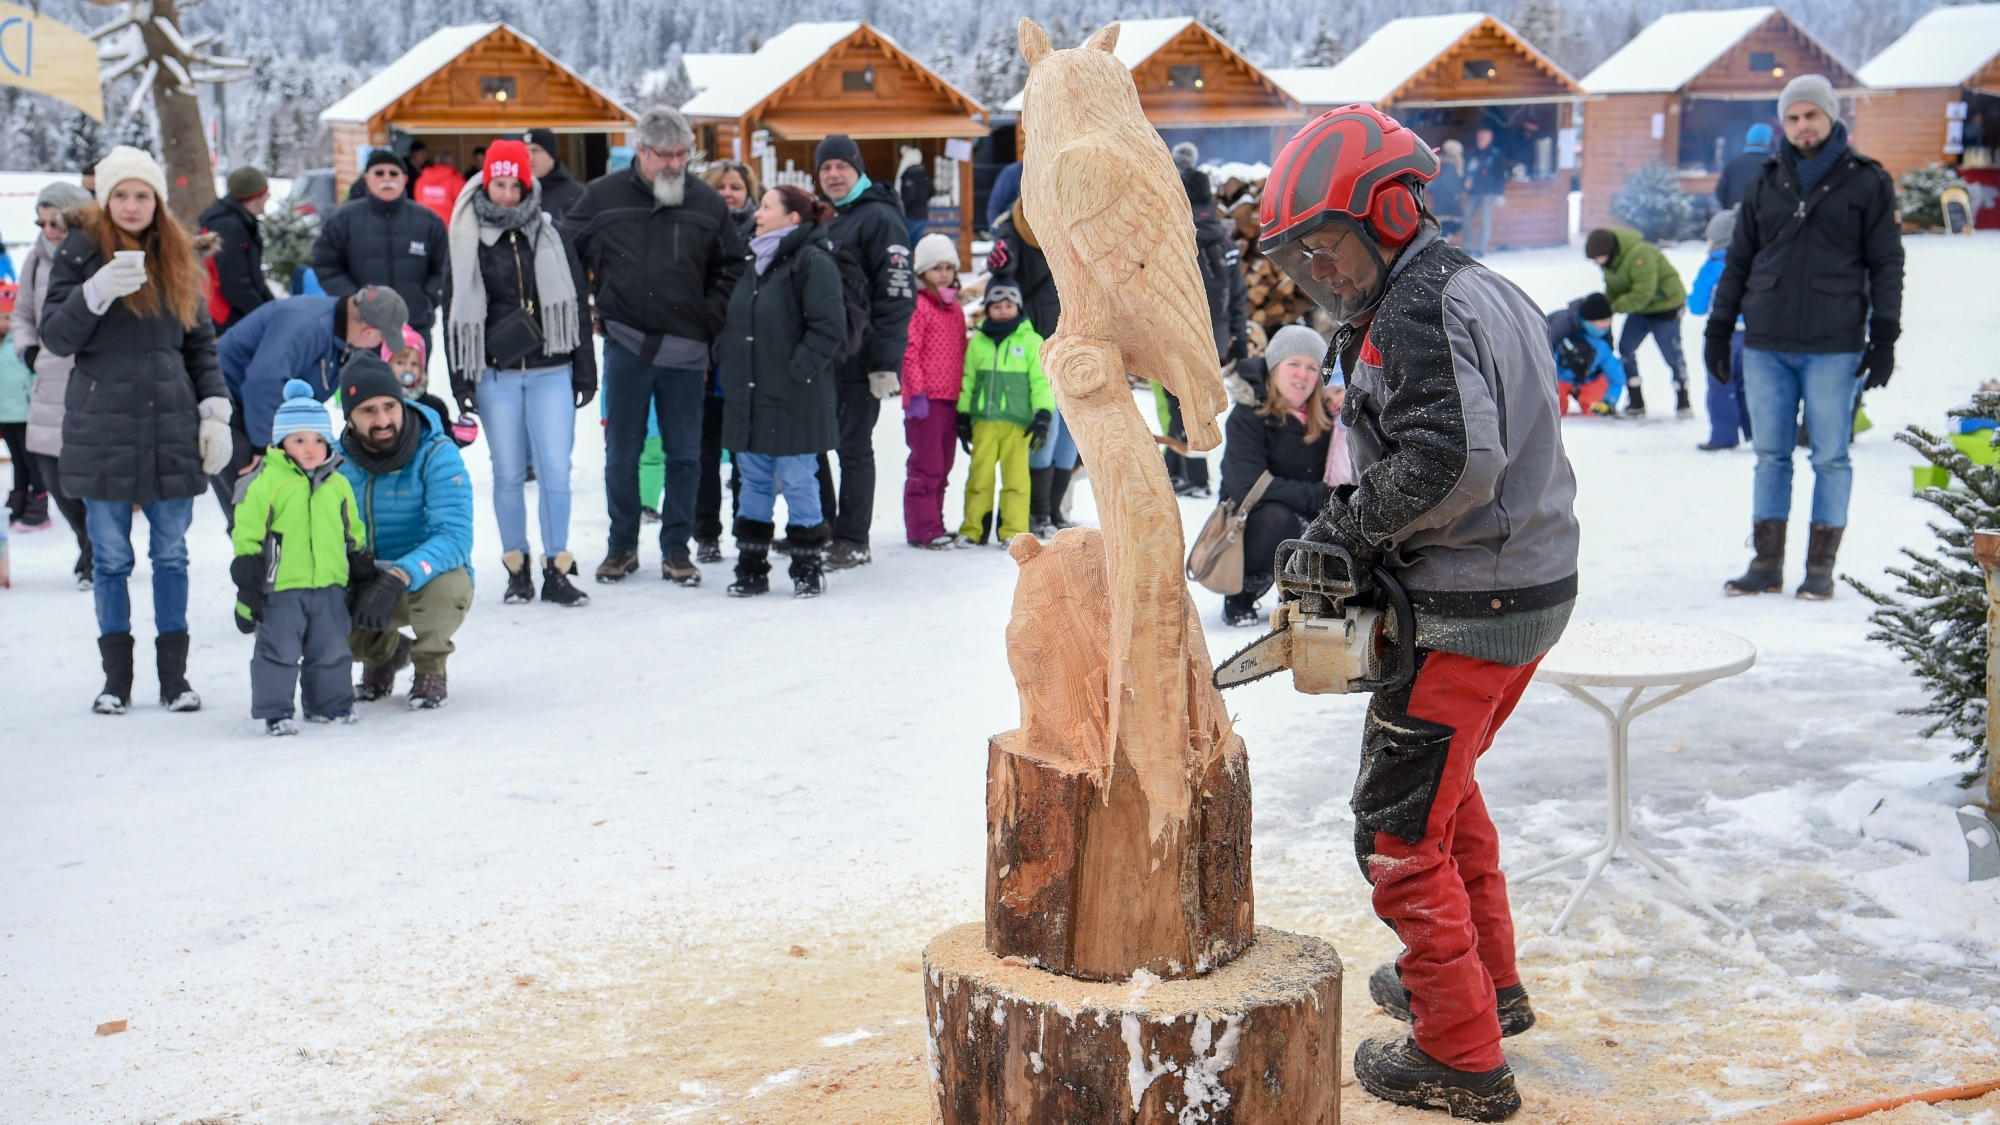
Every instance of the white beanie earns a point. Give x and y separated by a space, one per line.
935 250
1812 88
127 163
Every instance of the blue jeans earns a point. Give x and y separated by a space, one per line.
1480 208
1775 383
1665 329
633 391
764 476
1059 451
529 414
1728 412
110 525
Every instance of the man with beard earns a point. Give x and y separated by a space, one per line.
416 502
663 257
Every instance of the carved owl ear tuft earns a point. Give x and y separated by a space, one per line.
1106 39
1035 45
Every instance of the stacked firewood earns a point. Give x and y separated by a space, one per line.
1273 300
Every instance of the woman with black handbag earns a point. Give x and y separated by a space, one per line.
518 343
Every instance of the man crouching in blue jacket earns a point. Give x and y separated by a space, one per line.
416 501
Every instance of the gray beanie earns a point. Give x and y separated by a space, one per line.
1721 228
62 196
1812 88
1291 340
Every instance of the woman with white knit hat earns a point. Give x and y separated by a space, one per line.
152 423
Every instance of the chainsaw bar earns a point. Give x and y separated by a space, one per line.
1251 664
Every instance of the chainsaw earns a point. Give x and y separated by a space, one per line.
1323 630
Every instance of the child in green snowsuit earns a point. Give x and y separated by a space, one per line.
295 530
1004 410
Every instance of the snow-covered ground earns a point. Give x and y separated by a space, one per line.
575 895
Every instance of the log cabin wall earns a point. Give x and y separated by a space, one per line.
1618 140
1904 129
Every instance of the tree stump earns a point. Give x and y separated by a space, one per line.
1256 1042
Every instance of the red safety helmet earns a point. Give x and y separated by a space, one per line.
1355 167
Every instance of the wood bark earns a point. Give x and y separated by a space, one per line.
1254 1043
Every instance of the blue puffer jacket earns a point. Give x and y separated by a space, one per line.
419 518
279 341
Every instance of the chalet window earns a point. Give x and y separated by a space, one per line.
1480 70
857 81
1184 77
496 89
1763 62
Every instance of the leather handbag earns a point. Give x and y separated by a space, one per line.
1216 559
513 339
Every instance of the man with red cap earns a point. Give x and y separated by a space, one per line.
1462 490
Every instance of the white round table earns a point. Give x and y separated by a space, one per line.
1635 655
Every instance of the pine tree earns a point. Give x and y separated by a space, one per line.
1326 49
1935 620
944 58
1214 20
1653 203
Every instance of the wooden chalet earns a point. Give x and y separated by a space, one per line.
1684 92
1934 96
1448 77
464 86
811 80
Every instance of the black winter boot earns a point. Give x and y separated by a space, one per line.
1767 570
556 586
35 516
1038 503
116 651
171 650
1822 543
1239 610
428 691
85 571
520 583
1385 987
753 558
1058 493
380 683
1399 1071
808 559
1635 396
17 502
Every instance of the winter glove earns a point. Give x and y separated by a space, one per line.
29 354
247 571
1715 355
360 569
1878 361
916 408
1338 525
212 436
965 432
372 608
1038 431
1239 348
883 384
468 401
120 277
583 385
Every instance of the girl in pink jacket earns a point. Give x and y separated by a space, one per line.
933 370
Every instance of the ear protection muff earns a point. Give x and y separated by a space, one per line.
1395 214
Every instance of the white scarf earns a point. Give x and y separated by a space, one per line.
465 330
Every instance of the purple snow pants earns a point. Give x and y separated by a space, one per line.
933 445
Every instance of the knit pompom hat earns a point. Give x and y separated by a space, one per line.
935 250
300 411
127 163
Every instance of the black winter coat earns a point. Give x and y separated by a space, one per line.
1256 443
560 191
129 421
1028 267
872 229
916 189
746 223
662 270
1736 175
1813 285
1222 279
776 354
399 244
508 269
239 259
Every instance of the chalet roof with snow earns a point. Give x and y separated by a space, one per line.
798 85
1187 75
455 76
1404 60
1948 47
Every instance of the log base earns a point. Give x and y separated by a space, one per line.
1256 1042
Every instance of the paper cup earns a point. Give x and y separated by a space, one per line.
138 256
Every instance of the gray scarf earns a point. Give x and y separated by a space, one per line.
477 220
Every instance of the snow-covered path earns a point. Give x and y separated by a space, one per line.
574 895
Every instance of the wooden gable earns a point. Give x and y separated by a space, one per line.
1488 64
867 87
1987 80
1223 89
1792 52
465 94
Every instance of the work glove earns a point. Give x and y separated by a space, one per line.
1715 356
1878 360
247 571
378 600
212 436
1337 524
1038 431
965 432
916 408
883 384
582 385
120 277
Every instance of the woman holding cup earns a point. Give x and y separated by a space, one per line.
146 421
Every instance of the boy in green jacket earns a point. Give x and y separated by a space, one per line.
1004 409
295 529
1643 285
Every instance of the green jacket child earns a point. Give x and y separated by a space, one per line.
1638 279
1004 411
300 525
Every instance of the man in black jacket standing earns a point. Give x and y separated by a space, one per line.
386 238
663 257
1817 258
868 225
237 268
560 191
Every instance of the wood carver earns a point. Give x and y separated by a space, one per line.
1118 813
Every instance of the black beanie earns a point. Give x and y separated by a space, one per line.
546 138
366 375
1600 243
1199 190
840 147
1595 307
384 156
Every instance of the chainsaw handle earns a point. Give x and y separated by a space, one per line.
1406 638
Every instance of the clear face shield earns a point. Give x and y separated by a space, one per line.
1335 263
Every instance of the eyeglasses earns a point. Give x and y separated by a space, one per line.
671 155
1328 255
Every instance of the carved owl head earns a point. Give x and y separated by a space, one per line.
1089 82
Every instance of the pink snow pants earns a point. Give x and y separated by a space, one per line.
933 446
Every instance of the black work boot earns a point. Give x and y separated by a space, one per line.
808 569
1038 503
1767 570
1822 543
1385 987
1058 492
753 558
171 652
1397 1070
116 651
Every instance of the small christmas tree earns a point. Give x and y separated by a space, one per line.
1917 192
1653 203
288 242
1935 620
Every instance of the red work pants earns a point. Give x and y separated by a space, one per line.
1443 894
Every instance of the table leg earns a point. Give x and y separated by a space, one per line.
1661 872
